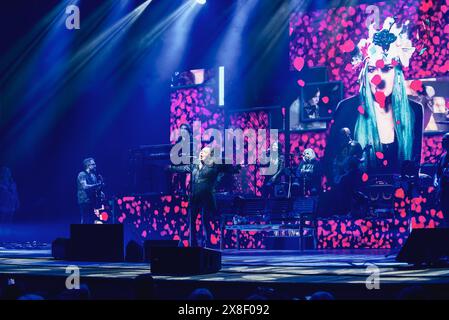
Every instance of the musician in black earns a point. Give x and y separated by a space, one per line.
90 193
311 108
339 166
442 180
345 196
349 199
204 175
281 175
308 174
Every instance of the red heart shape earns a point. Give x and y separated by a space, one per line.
361 110
400 194
416 85
376 80
380 63
380 98
365 177
104 216
348 46
298 63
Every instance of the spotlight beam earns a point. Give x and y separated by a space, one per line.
106 38
138 52
67 71
24 47
231 45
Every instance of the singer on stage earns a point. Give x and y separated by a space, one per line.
202 200
90 193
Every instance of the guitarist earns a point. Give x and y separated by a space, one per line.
349 149
90 194
340 162
441 181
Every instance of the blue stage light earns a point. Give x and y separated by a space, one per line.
201 1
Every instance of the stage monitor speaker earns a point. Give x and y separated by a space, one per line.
97 242
425 246
134 252
60 249
184 261
148 244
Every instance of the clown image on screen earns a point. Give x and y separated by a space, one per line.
381 118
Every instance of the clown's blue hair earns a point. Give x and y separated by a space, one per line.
366 131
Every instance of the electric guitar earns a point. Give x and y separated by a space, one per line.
98 194
340 167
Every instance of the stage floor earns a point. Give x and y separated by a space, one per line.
311 270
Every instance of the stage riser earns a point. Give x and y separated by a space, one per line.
165 218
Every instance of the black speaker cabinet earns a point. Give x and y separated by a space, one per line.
133 252
184 261
60 249
97 242
425 246
148 244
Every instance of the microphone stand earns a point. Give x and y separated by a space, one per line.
189 206
190 190
99 199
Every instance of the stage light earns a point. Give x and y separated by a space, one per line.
201 1
221 86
